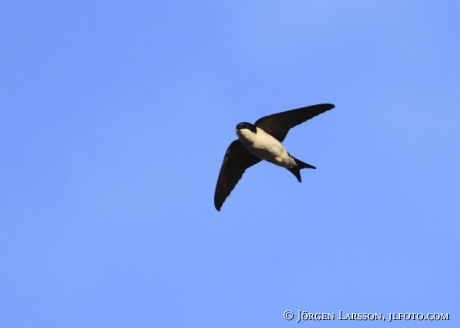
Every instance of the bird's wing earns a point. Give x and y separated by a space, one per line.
237 159
278 124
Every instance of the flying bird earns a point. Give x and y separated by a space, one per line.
262 141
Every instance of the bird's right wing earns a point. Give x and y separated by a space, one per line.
237 159
278 124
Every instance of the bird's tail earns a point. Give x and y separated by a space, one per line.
300 165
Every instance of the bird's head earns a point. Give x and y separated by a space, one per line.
246 125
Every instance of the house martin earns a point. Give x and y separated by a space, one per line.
262 141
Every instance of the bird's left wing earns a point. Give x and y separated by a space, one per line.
237 159
278 124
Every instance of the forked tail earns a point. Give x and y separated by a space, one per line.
300 165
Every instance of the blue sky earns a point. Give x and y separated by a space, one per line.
114 120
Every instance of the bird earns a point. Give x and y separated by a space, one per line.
262 141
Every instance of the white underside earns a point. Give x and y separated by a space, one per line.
266 147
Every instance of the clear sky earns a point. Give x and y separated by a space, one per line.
114 120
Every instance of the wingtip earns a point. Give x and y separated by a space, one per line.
217 207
